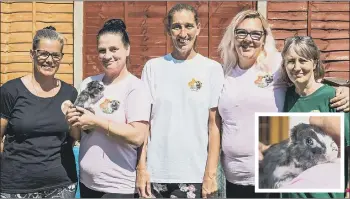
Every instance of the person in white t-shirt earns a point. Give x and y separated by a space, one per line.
253 83
108 154
184 141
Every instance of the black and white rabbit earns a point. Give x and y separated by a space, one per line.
307 146
90 95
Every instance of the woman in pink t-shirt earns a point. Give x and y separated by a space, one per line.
251 64
108 151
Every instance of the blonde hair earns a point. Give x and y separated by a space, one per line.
227 49
305 47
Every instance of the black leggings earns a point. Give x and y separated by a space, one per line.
242 191
89 193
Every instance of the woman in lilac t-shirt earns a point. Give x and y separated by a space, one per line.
108 154
252 84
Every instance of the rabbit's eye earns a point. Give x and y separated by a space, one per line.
309 141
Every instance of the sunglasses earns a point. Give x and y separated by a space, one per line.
43 55
255 35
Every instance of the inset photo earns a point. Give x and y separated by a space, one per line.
299 152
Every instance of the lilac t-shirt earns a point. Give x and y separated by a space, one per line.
108 164
316 177
246 92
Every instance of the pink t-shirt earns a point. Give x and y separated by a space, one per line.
245 92
108 164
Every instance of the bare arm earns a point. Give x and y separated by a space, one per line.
3 125
143 183
75 133
142 153
209 179
214 142
133 133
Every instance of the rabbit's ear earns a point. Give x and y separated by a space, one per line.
89 86
293 134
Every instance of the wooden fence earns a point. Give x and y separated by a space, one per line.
144 21
326 22
19 22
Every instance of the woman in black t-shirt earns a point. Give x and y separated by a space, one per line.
37 158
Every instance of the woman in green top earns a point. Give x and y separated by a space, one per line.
302 68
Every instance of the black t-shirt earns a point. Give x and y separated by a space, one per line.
38 152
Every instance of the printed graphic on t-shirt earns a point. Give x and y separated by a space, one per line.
263 80
317 111
109 106
195 85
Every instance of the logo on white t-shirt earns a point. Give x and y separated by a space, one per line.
263 80
195 85
109 106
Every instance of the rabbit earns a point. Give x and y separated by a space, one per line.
307 146
90 95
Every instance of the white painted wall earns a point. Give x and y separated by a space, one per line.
262 8
78 42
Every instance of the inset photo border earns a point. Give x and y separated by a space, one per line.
297 157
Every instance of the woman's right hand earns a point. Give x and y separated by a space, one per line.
71 113
143 183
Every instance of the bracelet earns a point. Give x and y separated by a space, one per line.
108 128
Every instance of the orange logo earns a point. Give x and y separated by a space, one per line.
109 106
264 80
194 84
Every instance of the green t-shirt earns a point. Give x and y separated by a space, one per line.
319 101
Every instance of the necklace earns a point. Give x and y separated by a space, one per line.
36 92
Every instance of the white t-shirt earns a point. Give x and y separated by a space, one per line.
108 164
183 91
244 93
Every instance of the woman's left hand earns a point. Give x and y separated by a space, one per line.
209 187
341 99
87 120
